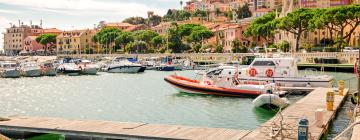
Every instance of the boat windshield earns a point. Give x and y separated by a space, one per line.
263 63
9 65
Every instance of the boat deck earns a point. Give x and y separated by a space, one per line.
117 130
305 107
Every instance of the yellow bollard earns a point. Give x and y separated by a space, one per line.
330 101
341 87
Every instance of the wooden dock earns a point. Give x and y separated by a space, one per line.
117 130
305 107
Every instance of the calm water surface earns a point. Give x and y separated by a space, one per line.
127 98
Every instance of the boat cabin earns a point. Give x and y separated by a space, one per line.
271 67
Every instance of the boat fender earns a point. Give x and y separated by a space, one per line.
269 73
252 72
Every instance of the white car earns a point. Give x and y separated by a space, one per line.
350 49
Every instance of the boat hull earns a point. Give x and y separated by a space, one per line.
166 68
11 74
49 72
194 87
142 69
124 69
32 73
89 71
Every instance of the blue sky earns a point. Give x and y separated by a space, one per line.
77 14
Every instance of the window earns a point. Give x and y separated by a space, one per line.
264 63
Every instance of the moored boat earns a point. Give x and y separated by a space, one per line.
225 86
165 67
9 69
270 101
122 65
282 71
48 69
30 69
70 69
87 67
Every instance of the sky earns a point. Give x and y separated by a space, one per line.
76 14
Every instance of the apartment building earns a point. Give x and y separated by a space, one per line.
15 35
75 41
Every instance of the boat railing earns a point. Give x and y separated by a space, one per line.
348 81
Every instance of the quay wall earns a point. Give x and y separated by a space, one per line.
343 57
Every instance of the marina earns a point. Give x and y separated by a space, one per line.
116 130
85 104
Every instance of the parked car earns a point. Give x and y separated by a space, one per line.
350 49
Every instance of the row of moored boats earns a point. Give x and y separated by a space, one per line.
74 67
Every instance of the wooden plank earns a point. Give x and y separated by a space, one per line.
119 130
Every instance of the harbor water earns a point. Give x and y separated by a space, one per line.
128 98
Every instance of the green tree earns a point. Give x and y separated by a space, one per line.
123 39
339 19
47 40
235 46
218 12
243 11
199 34
200 13
296 22
158 41
173 40
106 37
219 49
284 46
229 15
154 20
134 20
145 35
263 27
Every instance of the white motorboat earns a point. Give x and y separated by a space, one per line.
88 68
270 101
282 71
122 65
48 69
30 69
9 69
70 69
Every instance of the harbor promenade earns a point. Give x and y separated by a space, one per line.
305 107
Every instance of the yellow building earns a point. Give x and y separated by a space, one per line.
76 42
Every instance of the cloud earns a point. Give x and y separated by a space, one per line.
8 11
86 7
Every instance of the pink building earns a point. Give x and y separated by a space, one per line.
31 45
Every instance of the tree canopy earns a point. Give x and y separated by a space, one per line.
263 26
135 20
48 40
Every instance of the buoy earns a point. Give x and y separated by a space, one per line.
252 72
269 73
